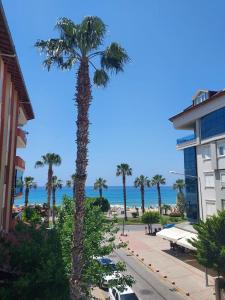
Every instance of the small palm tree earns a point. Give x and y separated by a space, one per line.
124 170
28 184
79 45
142 182
100 184
158 180
72 182
179 186
50 160
56 184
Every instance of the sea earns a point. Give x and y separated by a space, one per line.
114 194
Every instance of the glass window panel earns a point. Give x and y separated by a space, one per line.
213 123
209 180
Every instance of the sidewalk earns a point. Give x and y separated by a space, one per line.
154 253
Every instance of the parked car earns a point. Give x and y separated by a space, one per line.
107 262
127 294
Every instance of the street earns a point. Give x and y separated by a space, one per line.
148 286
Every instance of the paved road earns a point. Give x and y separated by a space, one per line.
148 286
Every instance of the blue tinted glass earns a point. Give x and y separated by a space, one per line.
18 182
191 184
213 123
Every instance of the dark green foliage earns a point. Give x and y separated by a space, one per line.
32 215
97 231
102 203
211 243
134 214
150 217
181 205
36 256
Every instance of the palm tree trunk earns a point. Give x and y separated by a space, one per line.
74 189
100 193
142 199
83 100
53 205
26 196
159 198
50 173
125 197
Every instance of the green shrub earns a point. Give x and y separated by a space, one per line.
150 217
134 214
175 214
31 215
103 204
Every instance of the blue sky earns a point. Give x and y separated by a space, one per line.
176 47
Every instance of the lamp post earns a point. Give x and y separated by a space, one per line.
200 193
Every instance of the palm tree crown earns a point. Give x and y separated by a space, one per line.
100 183
179 185
142 181
79 41
124 170
56 183
158 180
29 182
50 159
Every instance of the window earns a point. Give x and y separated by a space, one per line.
206 153
221 149
223 204
209 180
213 123
210 208
222 179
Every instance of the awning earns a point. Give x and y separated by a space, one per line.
184 241
178 236
171 234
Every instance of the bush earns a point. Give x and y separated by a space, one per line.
31 215
175 214
150 217
103 203
134 214
34 257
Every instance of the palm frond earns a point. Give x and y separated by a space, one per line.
90 34
114 58
101 78
39 164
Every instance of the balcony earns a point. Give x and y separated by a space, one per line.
19 163
187 141
21 138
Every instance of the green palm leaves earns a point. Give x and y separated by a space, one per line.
84 40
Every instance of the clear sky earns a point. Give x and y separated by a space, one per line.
176 47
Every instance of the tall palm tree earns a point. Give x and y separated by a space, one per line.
50 160
72 182
28 184
56 184
124 170
100 184
158 180
142 182
80 45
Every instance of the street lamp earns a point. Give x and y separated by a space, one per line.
200 192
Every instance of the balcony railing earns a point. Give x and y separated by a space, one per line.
21 138
187 139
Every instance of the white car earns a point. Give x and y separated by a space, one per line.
127 294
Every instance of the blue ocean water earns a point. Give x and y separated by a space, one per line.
114 194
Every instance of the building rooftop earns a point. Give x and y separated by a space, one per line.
7 48
212 95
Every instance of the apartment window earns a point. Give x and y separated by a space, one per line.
209 180
221 149
213 123
206 153
210 208
223 204
222 179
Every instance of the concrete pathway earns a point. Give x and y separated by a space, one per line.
155 253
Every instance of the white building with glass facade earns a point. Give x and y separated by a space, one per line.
204 153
